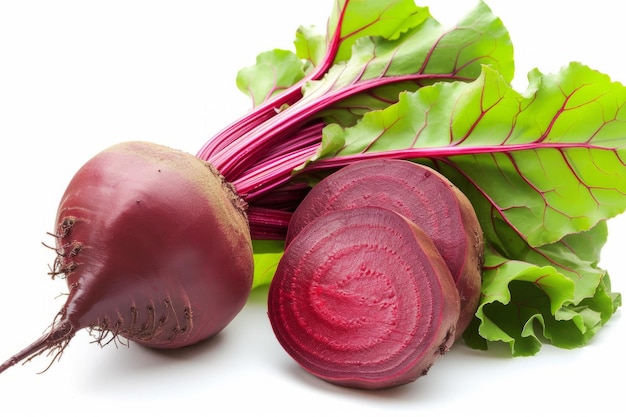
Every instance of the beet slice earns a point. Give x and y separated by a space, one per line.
419 193
362 298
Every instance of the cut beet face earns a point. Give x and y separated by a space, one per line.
362 298
422 195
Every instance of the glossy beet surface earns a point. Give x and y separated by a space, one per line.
155 248
419 193
362 298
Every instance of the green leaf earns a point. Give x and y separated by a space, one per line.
559 146
426 54
383 48
550 293
564 255
479 38
267 254
311 45
277 70
388 19
273 72
333 139
351 20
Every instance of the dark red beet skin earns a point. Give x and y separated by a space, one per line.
155 248
362 298
419 193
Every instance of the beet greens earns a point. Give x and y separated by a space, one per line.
543 169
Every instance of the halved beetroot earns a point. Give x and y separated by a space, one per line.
422 195
362 298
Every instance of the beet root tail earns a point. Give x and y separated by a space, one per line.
54 342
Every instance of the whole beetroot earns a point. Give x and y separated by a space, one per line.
155 248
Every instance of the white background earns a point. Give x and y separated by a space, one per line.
78 76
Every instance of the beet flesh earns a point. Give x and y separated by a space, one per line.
362 298
419 193
155 248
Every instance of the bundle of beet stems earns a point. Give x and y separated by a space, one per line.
389 182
